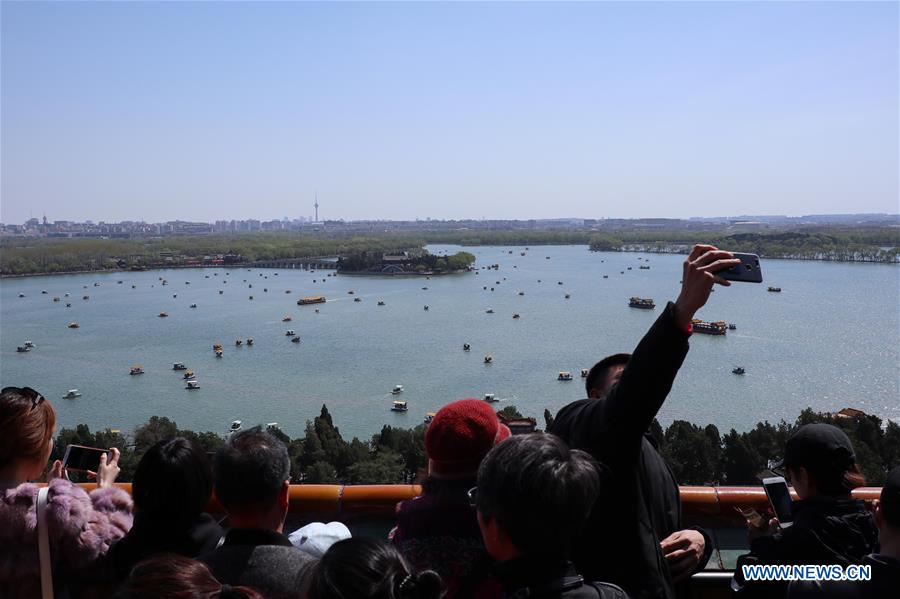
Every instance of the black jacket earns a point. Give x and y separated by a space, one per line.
885 583
642 505
549 578
263 559
825 532
150 537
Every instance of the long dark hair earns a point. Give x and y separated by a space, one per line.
178 577
362 568
173 481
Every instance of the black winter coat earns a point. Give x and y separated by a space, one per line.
549 578
642 505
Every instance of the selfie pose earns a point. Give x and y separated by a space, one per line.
634 537
80 526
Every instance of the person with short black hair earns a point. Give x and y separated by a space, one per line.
362 568
171 487
829 527
885 564
533 497
251 474
634 535
171 575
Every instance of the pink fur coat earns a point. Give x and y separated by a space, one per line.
81 528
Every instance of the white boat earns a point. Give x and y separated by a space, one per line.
488 359
490 398
137 369
429 417
399 406
191 385
564 376
584 373
235 426
29 344
72 393
22 349
289 333
397 390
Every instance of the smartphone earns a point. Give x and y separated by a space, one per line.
79 458
780 498
748 271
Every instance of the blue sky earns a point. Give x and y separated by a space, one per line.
201 111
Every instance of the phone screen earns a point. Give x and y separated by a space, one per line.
79 457
780 498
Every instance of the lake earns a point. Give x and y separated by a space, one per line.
829 340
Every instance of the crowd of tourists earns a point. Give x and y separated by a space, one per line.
587 509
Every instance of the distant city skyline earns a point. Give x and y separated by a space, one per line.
233 111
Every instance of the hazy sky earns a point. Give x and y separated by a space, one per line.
202 111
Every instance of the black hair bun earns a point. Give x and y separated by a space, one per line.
422 585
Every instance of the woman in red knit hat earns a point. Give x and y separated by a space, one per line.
439 530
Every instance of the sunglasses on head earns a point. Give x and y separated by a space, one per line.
35 397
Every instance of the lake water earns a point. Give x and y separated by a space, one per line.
829 340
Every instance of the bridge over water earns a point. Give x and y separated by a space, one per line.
320 263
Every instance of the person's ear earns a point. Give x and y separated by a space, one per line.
284 498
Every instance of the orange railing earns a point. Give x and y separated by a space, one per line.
378 501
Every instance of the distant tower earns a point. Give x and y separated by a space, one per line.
316 205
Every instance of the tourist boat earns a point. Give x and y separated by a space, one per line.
644 267
74 325
295 339
191 385
21 295
287 290
521 293
466 347
489 311
775 289
44 291
568 296
546 257
68 305
316 299
564 376
163 314
221 292
426 308
709 328
738 370
219 353
399 406
559 282
488 359
22 349
249 340
424 288
188 375
28 344
134 286
351 292
179 366
251 297
193 305
67 295
629 268
85 297
96 284
72 393
643 303
286 319
357 299
397 390
289 333
55 299
515 316
584 373
380 302
521 253
174 295
217 346
238 342
235 426
605 276
429 416
137 369
732 326
490 398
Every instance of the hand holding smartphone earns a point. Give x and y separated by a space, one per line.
748 271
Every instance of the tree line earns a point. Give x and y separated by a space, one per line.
698 455
27 255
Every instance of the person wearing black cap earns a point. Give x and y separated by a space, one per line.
885 565
829 527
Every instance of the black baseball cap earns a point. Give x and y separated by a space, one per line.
890 498
820 448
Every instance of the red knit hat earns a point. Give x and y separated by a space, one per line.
459 437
